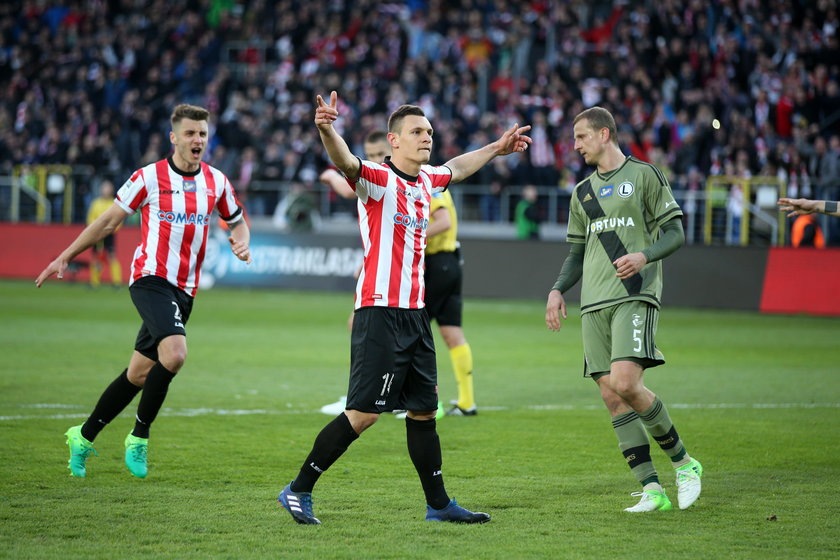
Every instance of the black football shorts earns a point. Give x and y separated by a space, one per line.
392 361
164 309
444 279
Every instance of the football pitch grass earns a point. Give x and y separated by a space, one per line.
755 397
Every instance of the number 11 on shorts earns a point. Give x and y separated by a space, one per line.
387 379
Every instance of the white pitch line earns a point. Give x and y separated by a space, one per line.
192 412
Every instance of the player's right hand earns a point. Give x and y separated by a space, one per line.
555 307
325 114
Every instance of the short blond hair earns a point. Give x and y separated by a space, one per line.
599 118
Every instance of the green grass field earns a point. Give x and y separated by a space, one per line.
756 398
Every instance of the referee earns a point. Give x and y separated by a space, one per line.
444 304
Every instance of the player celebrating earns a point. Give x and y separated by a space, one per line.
392 348
623 221
175 197
443 278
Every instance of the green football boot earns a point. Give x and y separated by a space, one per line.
136 450
80 449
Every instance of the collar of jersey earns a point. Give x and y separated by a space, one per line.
606 176
400 174
181 171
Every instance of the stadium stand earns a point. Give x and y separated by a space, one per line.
736 87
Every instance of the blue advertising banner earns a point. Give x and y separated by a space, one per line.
298 261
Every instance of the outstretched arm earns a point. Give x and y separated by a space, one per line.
802 206
335 145
513 140
104 225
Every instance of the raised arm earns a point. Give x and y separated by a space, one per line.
335 145
513 140
104 225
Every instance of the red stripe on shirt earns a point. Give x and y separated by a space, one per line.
419 236
211 202
144 226
398 248
165 203
185 251
373 211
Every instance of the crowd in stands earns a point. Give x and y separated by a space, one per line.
739 87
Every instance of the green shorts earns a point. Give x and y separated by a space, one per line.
621 332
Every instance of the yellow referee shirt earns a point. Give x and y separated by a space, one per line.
446 241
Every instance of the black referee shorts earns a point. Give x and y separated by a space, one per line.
392 361
164 309
107 245
444 278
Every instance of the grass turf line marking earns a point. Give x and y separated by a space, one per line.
191 412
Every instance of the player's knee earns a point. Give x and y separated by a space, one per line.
173 359
625 388
137 377
361 421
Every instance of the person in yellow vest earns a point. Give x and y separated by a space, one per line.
444 278
103 251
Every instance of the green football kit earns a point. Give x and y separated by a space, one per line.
612 215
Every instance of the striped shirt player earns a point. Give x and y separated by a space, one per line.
175 208
623 221
392 362
394 212
175 197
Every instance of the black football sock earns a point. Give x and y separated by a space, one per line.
424 450
330 444
154 393
114 399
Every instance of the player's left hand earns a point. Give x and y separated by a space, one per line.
240 249
629 265
513 140
57 267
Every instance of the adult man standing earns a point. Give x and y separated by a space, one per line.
392 348
444 304
623 221
175 197
443 276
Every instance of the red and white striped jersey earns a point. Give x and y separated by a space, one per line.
393 217
175 210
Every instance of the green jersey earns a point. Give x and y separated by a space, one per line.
616 214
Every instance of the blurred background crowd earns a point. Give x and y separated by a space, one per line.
700 88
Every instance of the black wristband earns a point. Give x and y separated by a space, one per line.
830 207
